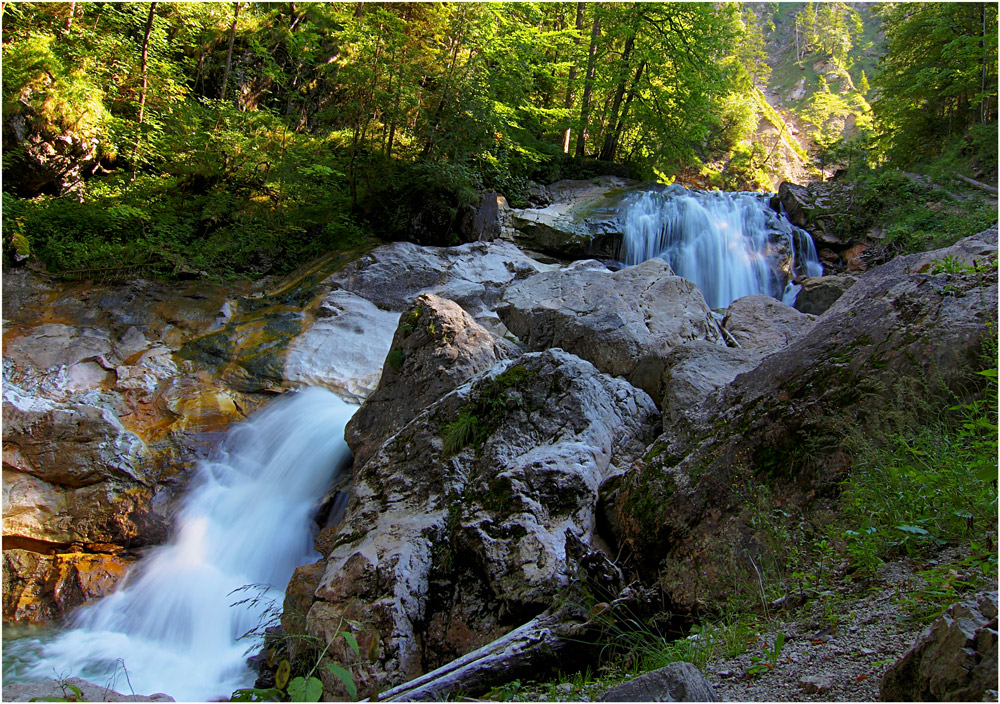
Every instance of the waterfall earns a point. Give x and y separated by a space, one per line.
728 244
245 521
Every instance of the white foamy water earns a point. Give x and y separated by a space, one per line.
245 521
728 244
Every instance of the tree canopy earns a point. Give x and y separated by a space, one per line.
243 136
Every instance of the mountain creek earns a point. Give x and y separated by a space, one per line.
448 466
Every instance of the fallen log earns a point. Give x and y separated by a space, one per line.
553 637
977 184
529 648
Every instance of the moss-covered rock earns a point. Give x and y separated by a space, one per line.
691 513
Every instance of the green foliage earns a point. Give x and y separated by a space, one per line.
486 409
924 482
307 687
395 359
915 214
939 77
943 585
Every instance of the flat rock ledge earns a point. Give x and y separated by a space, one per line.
73 689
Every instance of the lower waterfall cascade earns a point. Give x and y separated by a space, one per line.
729 244
172 625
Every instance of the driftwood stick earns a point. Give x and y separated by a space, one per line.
977 184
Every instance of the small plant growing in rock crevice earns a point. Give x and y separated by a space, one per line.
488 406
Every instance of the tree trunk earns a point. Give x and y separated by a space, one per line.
229 51
144 69
983 101
145 60
607 151
588 84
616 133
977 184
573 71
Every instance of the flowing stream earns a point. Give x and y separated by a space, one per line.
245 521
728 244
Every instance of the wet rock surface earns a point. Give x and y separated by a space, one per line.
113 393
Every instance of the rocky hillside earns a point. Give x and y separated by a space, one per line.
813 98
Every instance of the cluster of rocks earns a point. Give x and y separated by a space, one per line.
532 435
539 470
112 394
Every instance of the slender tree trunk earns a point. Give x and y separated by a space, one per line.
983 101
588 84
145 83
616 134
69 18
607 151
229 51
439 112
573 71
144 68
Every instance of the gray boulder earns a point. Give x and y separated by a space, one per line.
436 348
73 689
693 371
764 323
954 660
471 518
677 682
818 293
580 221
624 323
474 275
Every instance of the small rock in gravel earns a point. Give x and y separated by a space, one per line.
815 684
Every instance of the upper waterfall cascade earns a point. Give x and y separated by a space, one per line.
171 627
728 244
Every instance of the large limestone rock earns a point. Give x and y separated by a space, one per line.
954 660
474 275
436 348
344 347
693 371
818 293
764 323
73 689
625 323
687 514
473 517
581 221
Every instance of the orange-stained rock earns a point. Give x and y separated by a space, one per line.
40 587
